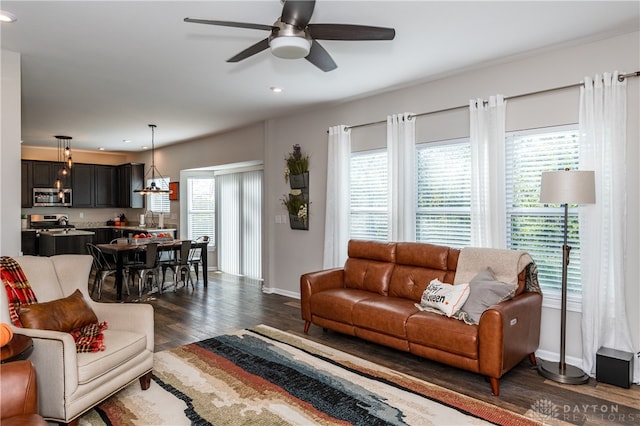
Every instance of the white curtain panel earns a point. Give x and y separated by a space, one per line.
401 148
603 123
487 135
338 201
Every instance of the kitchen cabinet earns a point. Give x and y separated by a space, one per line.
106 186
26 174
64 242
130 178
45 173
82 183
29 243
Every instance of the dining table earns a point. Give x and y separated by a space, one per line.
120 251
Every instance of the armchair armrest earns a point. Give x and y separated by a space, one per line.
315 282
127 316
55 359
508 332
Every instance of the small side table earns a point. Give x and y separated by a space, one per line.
20 347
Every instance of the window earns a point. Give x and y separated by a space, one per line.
534 227
369 195
201 212
443 214
159 203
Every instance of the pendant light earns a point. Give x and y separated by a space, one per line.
64 158
152 188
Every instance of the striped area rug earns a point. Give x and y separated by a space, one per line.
265 376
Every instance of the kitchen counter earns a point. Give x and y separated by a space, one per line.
66 233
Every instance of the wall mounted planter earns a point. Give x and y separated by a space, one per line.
300 181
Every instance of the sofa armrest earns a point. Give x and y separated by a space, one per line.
55 359
315 282
508 332
136 317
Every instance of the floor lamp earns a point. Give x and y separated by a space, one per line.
565 187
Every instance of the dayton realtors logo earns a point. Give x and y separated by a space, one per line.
544 410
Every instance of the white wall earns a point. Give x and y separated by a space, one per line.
10 118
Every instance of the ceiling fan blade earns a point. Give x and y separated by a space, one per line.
297 13
319 57
350 32
230 24
250 51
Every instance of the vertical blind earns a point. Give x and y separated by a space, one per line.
369 199
239 201
532 226
443 214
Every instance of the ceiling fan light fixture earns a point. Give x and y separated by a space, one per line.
290 47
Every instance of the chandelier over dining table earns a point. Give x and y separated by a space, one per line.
152 187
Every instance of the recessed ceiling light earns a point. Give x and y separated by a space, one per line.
7 16
101 149
126 140
275 89
145 147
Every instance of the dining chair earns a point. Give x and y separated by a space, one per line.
102 268
146 271
196 253
180 267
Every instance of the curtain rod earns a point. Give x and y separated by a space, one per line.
621 78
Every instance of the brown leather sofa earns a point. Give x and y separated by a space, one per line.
373 297
19 395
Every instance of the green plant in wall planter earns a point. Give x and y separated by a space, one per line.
297 205
296 171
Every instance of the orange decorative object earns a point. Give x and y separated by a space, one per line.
6 334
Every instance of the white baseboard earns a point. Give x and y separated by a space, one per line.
555 357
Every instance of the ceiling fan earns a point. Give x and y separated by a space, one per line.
293 37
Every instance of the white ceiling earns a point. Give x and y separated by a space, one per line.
100 71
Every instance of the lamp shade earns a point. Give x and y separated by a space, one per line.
568 187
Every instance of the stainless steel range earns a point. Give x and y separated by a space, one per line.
45 222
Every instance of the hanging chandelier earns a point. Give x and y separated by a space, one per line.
64 158
152 188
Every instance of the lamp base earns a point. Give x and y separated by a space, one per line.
570 376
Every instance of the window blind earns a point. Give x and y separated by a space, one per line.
201 213
443 214
369 199
532 226
159 203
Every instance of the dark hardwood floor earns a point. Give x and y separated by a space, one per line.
230 303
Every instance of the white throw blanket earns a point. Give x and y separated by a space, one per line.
505 264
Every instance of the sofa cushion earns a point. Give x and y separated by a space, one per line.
384 314
372 250
69 313
409 282
446 334
485 291
337 304
120 346
369 275
445 298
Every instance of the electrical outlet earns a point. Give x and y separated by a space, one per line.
81 215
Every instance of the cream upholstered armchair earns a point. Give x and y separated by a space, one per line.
71 383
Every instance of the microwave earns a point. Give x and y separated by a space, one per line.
46 197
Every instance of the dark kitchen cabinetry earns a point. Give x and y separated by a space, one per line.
82 182
106 186
44 174
29 243
27 183
100 235
130 178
